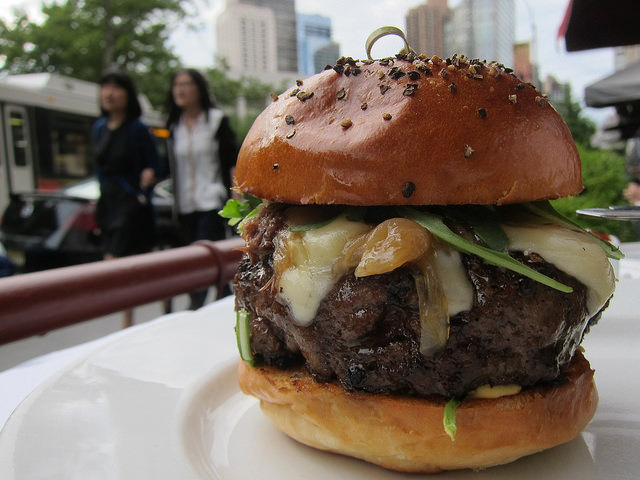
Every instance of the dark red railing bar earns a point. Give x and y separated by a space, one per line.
35 303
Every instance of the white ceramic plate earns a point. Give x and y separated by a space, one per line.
162 403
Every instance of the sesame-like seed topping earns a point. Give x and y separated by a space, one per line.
339 68
294 92
384 88
304 96
468 151
346 123
341 94
397 74
364 106
289 119
413 75
291 133
453 88
494 71
276 166
408 189
408 91
443 73
474 69
424 69
482 113
540 101
513 99
299 83
435 59
386 116
274 97
451 68
381 74
520 86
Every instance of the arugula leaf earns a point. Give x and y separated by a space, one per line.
237 210
242 337
305 227
546 211
483 222
437 227
449 418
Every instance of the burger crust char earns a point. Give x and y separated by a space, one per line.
489 432
420 133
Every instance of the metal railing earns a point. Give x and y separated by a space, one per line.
35 303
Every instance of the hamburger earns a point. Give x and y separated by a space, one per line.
408 296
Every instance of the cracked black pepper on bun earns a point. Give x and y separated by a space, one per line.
360 138
408 295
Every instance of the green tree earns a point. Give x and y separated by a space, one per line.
227 91
604 179
571 111
82 38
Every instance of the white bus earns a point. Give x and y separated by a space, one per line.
45 132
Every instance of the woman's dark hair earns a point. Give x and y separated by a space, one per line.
206 99
121 79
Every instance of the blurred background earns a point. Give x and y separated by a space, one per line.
52 52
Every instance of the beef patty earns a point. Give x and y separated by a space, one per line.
367 330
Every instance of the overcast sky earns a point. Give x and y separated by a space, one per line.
353 20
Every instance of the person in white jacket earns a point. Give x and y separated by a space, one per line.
203 152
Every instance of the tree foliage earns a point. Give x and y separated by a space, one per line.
582 129
227 91
82 38
604 179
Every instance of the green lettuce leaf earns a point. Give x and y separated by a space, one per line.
237 210
449 418
437 227
242 337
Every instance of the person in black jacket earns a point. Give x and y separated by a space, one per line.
127 164
203 150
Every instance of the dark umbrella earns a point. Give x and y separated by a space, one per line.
591 24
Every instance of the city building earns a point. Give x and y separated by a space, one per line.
557 92
425 27
625 56
483 29
523 67
246 40
314 34
285 32
326 55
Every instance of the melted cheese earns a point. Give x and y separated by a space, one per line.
307 269
572 252
307 259
454 279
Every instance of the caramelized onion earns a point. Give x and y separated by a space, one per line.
390 245
434 311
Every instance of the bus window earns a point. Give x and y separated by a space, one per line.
64 147
19 144
18 147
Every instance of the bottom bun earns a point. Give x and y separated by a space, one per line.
406 433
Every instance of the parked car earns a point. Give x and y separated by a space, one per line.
7 267
55 229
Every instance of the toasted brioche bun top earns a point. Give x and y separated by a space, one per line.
393 132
